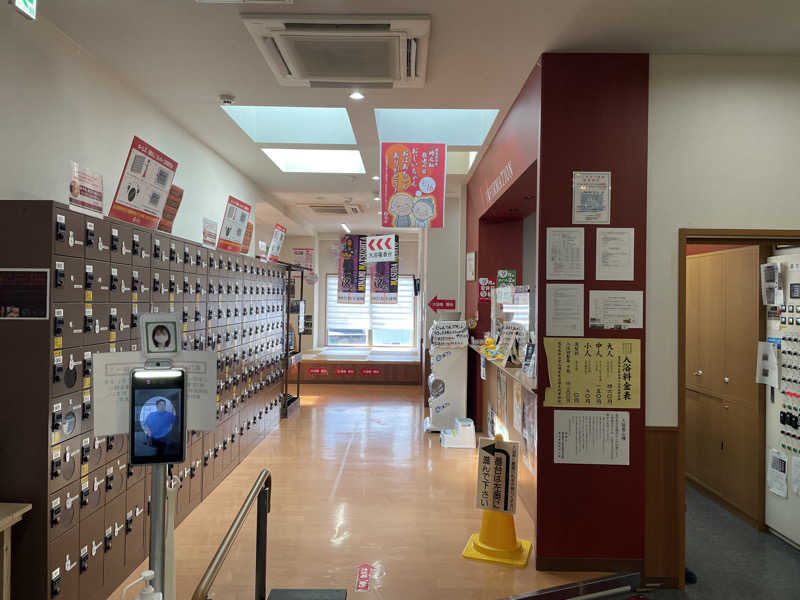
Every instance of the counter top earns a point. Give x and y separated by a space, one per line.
527 383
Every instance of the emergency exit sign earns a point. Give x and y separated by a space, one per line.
26 7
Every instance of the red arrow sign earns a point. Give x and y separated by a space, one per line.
444 304
371 244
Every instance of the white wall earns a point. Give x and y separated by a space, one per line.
60 104
529 260
723 152
296 241
444 271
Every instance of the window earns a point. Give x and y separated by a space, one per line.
371 324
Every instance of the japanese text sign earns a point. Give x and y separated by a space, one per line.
234 225
381 248
413 185
497 475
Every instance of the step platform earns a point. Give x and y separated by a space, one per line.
307 595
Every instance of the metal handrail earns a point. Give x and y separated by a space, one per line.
262 491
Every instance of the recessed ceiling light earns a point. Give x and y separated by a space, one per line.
345 227
293 124
454 127
301 160
356 96
377 198
376 178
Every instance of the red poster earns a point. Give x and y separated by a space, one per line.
144 185
412 184
248 238
234 225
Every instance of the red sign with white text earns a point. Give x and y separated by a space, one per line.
318 370
370 371
412 184
442 304
363 574
345 371
144 185
234 225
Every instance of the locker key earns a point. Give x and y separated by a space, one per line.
87 362
55 514
109 443
114 281
55 584
197 287
89 234
88 324
135 247
107 540
85 496
219 313
173 256
85 452
230 265
186 258
84 561
185 316
56 424
220 289
89 277
109 480
128 523
55 467
58 326
198 260
135 283
112 322
210 288
61 230
156 287
58 371
172 285
237 289
134 320
185 285
60 275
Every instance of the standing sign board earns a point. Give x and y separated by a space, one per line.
234 225
144 186
278 235
413 185
497 475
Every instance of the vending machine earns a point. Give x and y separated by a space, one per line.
781 295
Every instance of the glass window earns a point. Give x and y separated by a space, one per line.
371 324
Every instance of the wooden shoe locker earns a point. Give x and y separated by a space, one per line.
89 525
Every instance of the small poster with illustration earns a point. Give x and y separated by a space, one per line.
413 185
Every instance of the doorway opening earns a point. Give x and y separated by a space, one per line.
730 424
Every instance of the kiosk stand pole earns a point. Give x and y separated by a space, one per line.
158 503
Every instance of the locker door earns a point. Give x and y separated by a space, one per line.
141 248
93 493
91 557
67 325
63 558
97 239
134 526
63 507
121 283
121 243
741 318
114 545
741 457
68 228
67 278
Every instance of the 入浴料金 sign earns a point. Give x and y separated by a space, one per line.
593 372
497 475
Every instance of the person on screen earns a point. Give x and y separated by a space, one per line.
161 337
158 424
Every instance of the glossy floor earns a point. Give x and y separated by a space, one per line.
355 481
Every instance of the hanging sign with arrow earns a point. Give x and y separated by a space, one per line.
497 475
381 248
440 303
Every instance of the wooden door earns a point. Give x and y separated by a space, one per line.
704 439
741 325
692 320
741 457
710 311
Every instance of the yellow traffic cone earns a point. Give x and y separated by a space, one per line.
497 540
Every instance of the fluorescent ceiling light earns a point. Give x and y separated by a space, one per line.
356 96
454 127
301 160
293 124
377 198
376 178
345 227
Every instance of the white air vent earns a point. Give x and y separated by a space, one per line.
343 50
335 209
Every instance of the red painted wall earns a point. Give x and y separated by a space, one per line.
593 118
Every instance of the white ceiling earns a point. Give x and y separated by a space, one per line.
183 55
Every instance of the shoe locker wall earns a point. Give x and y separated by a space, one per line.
90 520
724 448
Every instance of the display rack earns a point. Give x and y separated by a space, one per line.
291 359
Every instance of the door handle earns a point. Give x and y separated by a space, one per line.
698 373
726 379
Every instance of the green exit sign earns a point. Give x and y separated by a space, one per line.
26 7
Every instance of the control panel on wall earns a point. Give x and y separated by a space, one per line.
782 511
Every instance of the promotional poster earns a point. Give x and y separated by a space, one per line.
352 270
384 278
413 185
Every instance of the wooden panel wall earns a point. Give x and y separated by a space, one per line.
319 371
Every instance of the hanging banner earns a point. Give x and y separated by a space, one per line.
352 270
303 257
237 215
144 185
85 191
248 238
278 235
383 285
210 232
413 184
261 250
170 209
381 248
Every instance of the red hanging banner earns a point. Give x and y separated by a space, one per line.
412 184
234 225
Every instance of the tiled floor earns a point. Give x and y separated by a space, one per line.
356 481
732 560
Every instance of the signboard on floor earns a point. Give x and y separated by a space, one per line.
144 185
413 184
234 225
497 475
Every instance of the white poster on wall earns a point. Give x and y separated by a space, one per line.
776 473
470 266
591 437
591 197
614 256
564 309
565 253
616 309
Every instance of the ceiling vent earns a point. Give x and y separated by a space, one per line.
335 209
367 51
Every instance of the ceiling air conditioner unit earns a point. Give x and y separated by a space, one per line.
368 51
335 209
